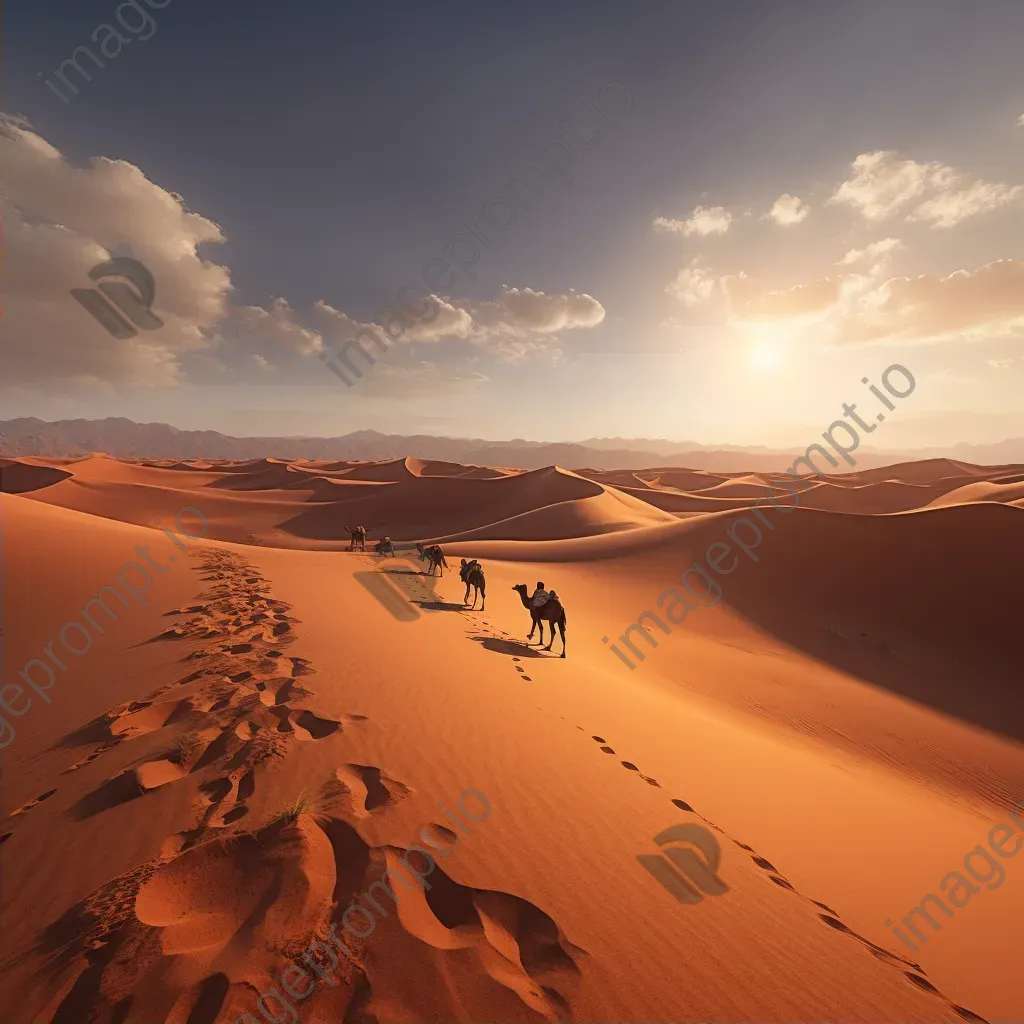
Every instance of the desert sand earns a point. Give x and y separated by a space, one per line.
244 751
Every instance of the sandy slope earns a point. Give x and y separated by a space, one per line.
846 722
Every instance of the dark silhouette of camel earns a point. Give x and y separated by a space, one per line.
551 612
472 574
435 556
358 536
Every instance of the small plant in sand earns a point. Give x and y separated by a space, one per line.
302 804
188 748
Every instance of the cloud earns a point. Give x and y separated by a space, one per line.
1001 364
745 298
969 305
978 305
705 220
1020 120
875 251
881 185
61 221
788 210
526 309
277 326
516 325
803 300
694 284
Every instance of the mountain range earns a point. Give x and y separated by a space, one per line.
125 438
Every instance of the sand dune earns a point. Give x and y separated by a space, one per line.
240 756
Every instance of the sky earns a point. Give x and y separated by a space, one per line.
690 221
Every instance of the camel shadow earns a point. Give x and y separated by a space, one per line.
510 647
440 606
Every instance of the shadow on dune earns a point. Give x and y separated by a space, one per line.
540 504
18 478
97 730
119 790
924 604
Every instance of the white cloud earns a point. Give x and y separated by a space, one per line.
518 324
881 185
788 210
965 305
957 204
694 284
62 221
968 305
526 309
705 220
749 302
276 325
873 252
1001 364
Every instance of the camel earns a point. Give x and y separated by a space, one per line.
551 612
435 556
472 574
358 536
385 547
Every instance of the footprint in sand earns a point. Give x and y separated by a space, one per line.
308 726
371 788
25 808
633 768
89 759
513 941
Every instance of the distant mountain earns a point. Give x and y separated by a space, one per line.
126 439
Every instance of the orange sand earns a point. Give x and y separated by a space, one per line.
226 768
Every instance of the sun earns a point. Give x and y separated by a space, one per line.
765 356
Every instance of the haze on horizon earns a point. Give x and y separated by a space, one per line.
792 200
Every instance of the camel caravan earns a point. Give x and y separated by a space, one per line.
543 605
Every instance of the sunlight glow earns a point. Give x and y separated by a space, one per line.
765 356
